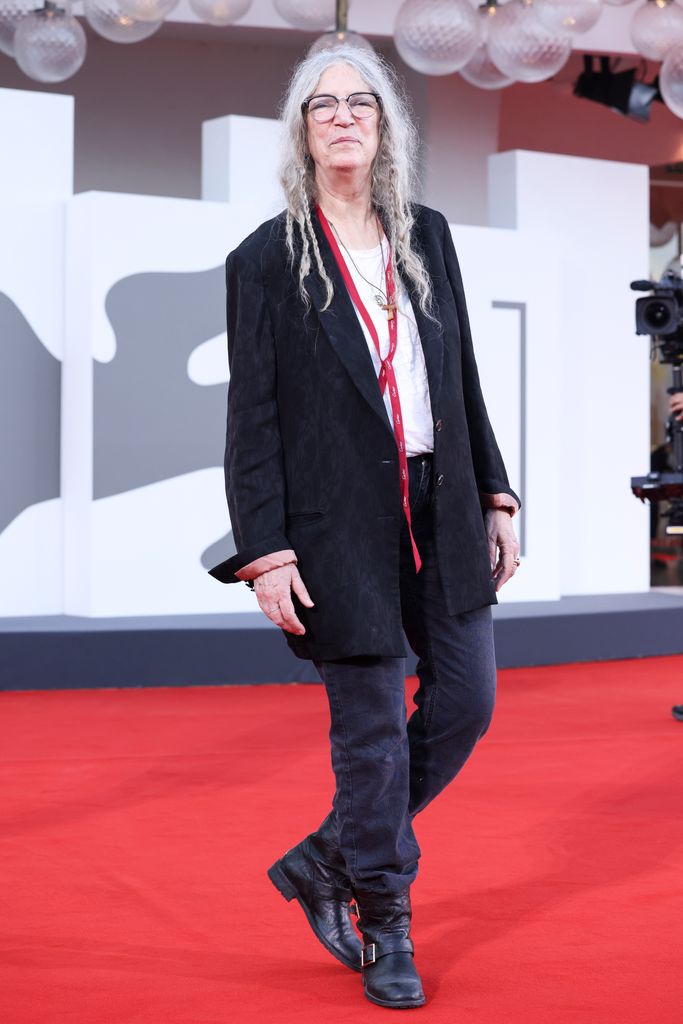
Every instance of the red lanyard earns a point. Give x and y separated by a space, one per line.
386 373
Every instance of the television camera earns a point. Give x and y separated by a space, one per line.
660 314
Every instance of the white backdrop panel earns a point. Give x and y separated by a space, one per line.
515 327
36 143
31 336
31 562
32 266
597 214
228 174
565 378
146 546
137 550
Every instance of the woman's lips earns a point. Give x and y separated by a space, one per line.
345 138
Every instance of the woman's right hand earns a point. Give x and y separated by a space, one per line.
676 405
273 591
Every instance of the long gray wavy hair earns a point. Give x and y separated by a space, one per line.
394 176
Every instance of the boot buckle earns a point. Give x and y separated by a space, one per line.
367 955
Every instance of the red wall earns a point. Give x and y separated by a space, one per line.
548 117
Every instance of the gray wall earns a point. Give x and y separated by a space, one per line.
139 111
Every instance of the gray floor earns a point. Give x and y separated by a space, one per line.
65 652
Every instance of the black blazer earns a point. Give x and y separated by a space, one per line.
311 461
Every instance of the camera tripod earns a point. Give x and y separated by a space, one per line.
668 485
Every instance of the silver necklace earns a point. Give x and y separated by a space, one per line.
381 297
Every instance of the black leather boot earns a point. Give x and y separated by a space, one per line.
389 975
313 874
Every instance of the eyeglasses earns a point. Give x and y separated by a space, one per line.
323 108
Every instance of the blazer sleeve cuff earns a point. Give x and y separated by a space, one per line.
265 563
226 572
505 500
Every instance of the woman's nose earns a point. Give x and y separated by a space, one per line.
343 114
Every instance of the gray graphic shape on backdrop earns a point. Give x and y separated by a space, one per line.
151 421
218 552
30 385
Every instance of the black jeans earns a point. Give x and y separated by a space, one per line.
387 769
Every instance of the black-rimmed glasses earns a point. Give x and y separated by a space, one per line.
323 107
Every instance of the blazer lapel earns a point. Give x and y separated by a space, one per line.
345 334
340 323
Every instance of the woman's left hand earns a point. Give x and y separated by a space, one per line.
503 545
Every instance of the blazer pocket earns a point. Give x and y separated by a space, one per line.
304 518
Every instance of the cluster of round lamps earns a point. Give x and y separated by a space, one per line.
492 45
530 40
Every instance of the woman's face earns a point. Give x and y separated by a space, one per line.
345 143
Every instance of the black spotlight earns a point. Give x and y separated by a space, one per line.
619 90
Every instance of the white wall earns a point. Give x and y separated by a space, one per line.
36 172
602 390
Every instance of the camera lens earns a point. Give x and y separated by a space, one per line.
657 315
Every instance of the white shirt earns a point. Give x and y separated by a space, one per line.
408 362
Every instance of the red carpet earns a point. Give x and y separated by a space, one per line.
137 826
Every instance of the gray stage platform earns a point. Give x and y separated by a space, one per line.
66 652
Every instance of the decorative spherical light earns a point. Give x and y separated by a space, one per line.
109 20
333 40
49 44
482 72
521 46
656 27
307 14
11 12
148 10
480 69
220 12
569 15
671 80
436 37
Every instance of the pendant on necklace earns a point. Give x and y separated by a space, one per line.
379 299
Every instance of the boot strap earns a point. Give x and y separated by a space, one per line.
390 944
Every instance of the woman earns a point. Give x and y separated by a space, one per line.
366 492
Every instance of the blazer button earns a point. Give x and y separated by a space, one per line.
439 480
438 425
